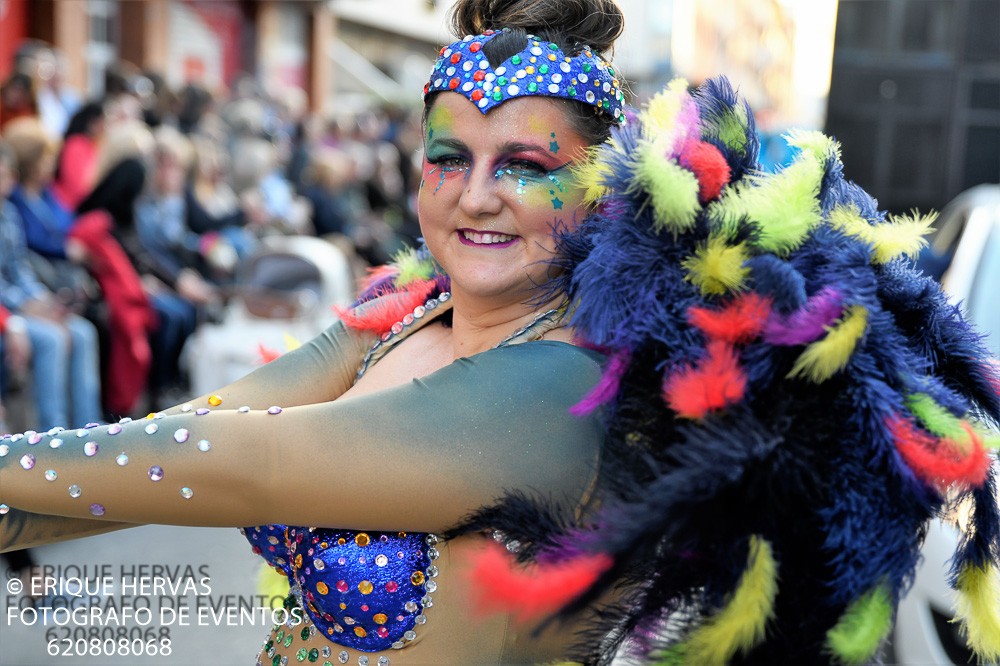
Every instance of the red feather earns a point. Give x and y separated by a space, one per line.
940 462
709 166
499 584
740 320
266 353
379 314
716 382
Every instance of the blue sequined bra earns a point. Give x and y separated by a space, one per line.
366 590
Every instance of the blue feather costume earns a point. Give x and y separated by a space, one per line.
821 455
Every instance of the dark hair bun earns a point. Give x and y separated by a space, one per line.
569 23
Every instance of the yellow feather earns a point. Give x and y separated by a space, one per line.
717 268
819 145
659 117
673 190
900 236
291 342
825 358
272 586
591 173
978 609
741 624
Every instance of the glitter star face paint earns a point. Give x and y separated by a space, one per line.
493 187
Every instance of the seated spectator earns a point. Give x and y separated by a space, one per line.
76 168
104 217
45 219
326 184
65 346
15 353
163 231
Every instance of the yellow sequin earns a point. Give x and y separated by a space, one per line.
322 588
215 400
362 539
380 618
360 632
417 578
365 587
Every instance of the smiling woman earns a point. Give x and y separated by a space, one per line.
710 410
495 187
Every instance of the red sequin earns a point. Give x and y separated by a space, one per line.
477 95
453 83
475 46
455 57
479 75
342 586
391 586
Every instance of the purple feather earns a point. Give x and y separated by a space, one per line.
806 324
607 387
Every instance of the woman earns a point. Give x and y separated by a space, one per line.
76 170
669 492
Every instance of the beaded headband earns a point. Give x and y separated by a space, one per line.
540 69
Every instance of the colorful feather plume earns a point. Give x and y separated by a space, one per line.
530 593
941 462
781 387
739 321
742 622
862 628
808 323
714 383
979 609
824 358
717 267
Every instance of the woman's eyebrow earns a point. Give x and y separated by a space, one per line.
521 147
449 142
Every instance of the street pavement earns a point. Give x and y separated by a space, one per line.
199 586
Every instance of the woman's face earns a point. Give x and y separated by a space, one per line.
493 186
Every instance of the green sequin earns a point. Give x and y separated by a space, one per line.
281 636
572 91
301 654
305 633
543 69
587 67
554 47
502 81
313 654
532 87
288 641
516 60
497 95
276 661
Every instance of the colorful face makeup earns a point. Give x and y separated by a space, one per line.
494 187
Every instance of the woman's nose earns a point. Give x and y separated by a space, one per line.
481 195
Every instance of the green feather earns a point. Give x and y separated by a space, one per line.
862 627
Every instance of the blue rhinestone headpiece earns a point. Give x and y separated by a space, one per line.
541 69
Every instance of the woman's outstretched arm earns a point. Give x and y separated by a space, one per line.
322 369
414 457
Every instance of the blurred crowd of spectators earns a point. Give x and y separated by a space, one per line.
124 219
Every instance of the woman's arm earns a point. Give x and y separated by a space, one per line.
20 529
415 457
323 368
